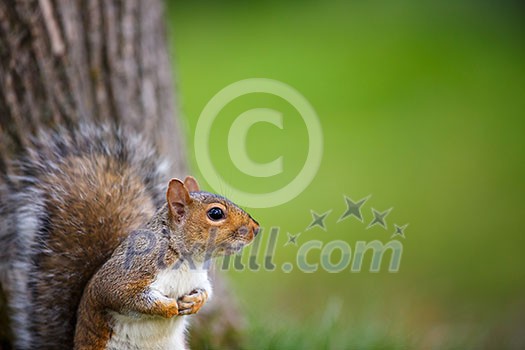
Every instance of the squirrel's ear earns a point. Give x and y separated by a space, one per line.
178 198
191 184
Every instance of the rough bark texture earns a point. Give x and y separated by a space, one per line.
63 62
66 62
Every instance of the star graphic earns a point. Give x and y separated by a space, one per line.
318 220
379 218
353 208
400 230
292 239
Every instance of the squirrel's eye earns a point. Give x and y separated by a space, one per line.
215 214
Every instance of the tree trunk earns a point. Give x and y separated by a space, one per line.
63 62
68 62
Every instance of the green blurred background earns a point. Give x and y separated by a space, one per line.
422 106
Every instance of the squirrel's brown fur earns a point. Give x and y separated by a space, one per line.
68 211
67 204
159 272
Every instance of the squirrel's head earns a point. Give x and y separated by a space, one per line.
207 223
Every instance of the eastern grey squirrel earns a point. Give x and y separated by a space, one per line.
96 253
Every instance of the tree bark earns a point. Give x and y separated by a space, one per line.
65 62
69 62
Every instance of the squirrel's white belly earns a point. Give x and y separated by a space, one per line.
175 282
146 332
151 333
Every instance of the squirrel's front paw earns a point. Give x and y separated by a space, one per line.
191 303
168 308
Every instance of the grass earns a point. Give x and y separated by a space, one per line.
421 105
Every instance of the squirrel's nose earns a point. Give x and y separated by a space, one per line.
254 225
255 228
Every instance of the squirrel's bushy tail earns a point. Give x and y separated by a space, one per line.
66 200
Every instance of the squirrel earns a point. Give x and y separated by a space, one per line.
96 253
